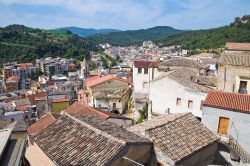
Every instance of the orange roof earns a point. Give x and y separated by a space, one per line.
41 124
71 65
238 46
40 95
13 78
226 100
22 108
58 100
79 108
92 81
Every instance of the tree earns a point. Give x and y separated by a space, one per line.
143 113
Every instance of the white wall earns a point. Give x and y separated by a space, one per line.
239 124
140 78
164 93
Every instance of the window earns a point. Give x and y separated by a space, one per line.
201 107
167 111
243 87
145 85
145 70
178 101
99 105
139 70
190 104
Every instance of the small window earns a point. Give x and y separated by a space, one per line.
167 111
145 70
201 107
139 70
99 105
145 84
190 104
119 101
178 101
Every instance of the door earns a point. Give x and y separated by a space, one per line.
114 106
223 125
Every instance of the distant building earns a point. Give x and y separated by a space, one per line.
108 93
228 114
57 102
179 139
11 84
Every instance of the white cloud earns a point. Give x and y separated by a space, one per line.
125 14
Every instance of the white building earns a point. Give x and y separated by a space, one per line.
143 73
178 91
228 115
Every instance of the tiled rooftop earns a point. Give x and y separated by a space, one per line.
83 140
178 136
182 62
92 81
238 46
230 101
237 59
41 124
79 108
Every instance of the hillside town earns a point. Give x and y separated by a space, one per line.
157 106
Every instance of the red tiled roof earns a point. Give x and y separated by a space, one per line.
238 46
230 101
92 81
13 78
41 124
71 65
40 95
22 108
147 64
59 100
79 108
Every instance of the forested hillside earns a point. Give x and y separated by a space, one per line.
238 31
23 44
132 37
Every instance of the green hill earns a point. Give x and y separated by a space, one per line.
131 37
24 44
238 31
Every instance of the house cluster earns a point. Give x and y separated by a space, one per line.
18 76
51 66
177 111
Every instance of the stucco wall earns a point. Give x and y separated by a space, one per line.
164 93
37 157
111 85
58 107
140 78
239 124
233 76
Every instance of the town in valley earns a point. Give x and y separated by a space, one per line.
89 101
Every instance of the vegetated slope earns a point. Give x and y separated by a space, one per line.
133 37
23 44
238 31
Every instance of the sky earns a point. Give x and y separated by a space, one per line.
122 14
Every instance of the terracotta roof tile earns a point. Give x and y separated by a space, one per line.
237 59
79 108
230 101
179 136
84 140
42 123
182 62
92 81
238 46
